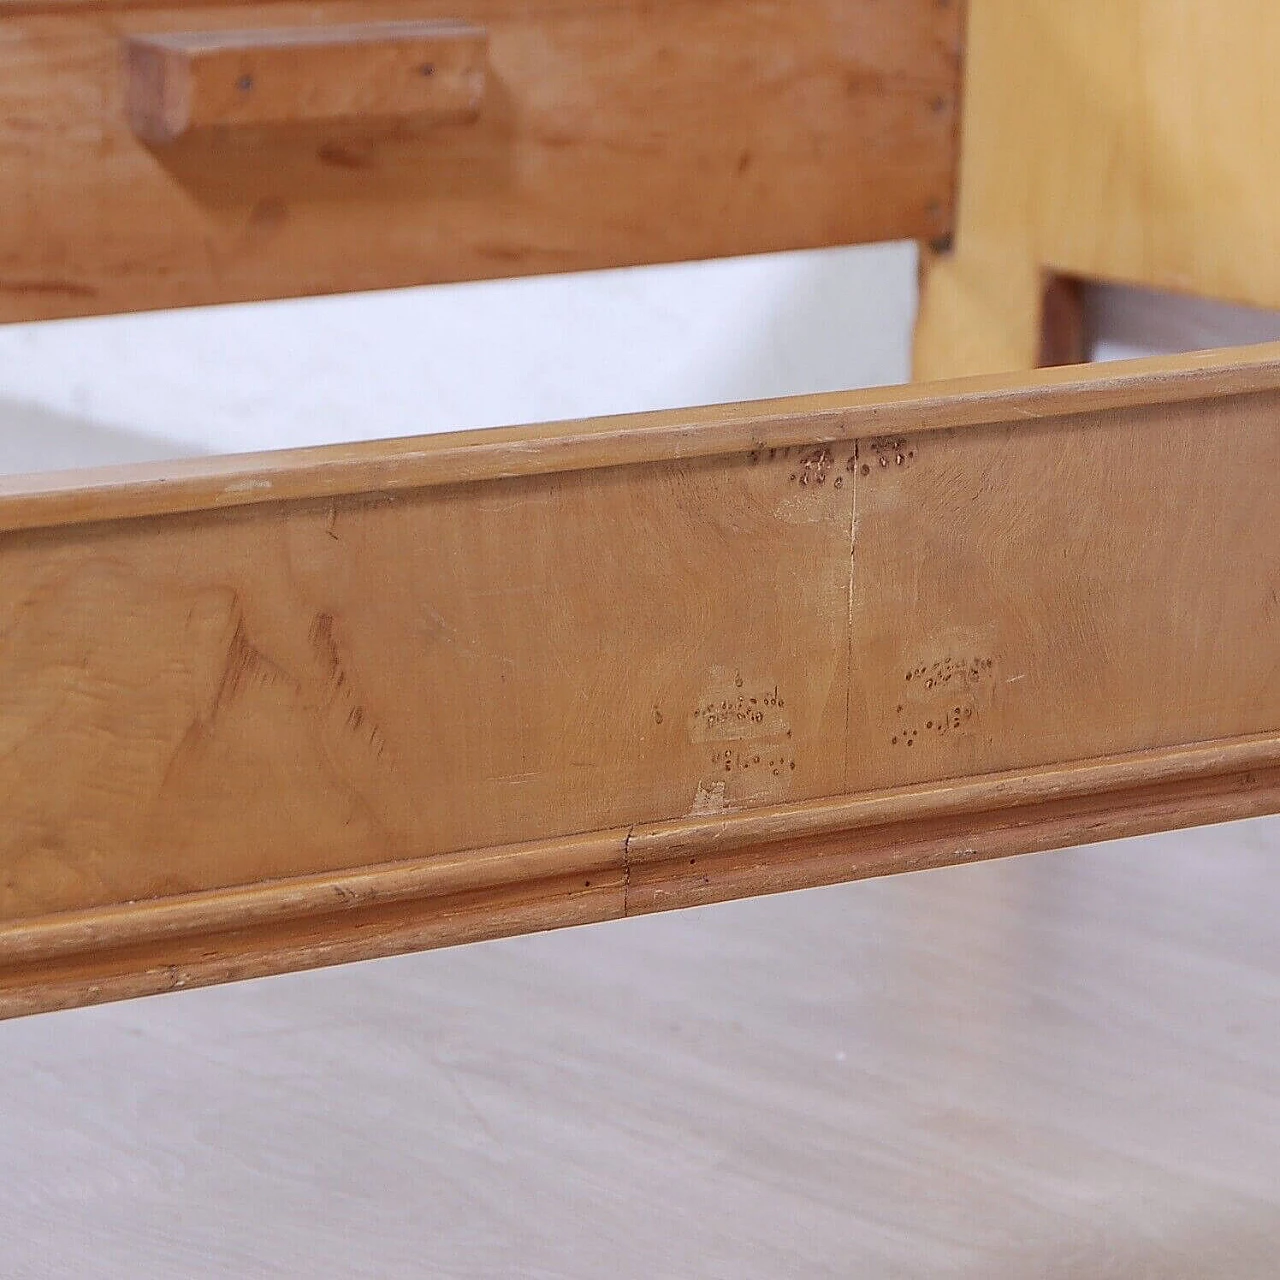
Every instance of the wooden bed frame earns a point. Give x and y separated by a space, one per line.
284 710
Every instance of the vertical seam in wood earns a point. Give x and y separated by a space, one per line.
848 664
626 872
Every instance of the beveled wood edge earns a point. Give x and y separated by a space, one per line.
330 472
92 8
251 39
204 938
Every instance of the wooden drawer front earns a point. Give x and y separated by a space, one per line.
607 135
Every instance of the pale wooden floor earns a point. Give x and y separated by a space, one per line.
1062 1066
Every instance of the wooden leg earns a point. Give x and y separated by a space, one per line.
989 313
979 313
1064 334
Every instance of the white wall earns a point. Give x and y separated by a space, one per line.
227 379
1138 322
275 375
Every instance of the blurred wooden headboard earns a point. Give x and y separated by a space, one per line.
364 144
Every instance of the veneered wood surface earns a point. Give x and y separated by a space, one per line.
567 673
369 73
1121 140
609 135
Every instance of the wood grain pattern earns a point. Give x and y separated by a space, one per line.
610 135
1120 140
274 712
373 73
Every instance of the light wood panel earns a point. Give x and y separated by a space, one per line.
276 711
1123 140
610 134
